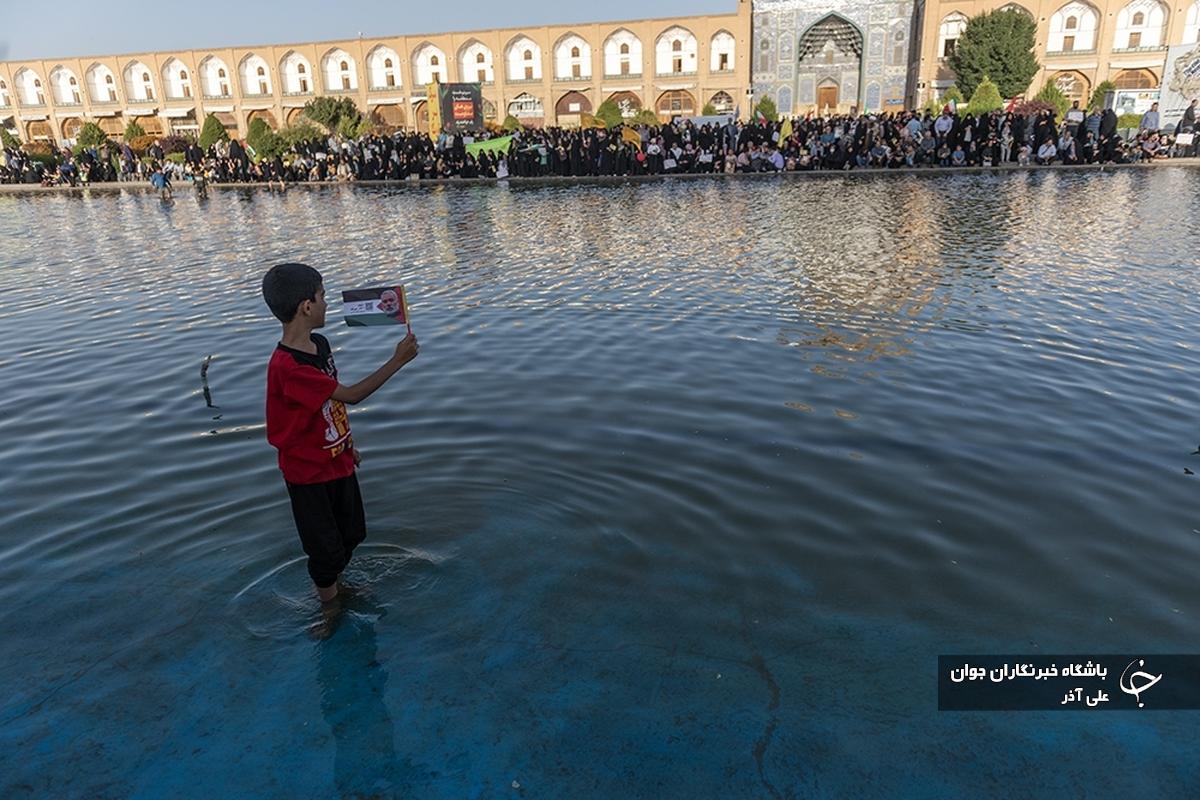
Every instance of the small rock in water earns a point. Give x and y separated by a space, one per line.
516 785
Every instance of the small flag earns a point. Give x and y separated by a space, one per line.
759 116
1011 105
630 136
385 305
785 131
586 120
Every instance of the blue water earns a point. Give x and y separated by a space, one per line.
689 486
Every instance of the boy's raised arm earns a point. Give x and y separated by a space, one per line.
406 351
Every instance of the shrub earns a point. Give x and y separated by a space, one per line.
177 158
134 131
709 110
300 132
986 98
1053 95
7 139
1033 107
38 149
212 132
511 123
766 106
953 93
175 143
140 144
1102 88
90 135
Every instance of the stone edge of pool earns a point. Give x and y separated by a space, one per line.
550 180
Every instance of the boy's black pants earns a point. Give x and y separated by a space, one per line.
331 523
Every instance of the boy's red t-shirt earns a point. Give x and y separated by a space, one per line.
305 424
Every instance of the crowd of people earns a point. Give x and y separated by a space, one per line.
833 142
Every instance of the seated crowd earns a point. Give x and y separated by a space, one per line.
835 142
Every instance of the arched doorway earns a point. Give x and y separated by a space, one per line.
722 102
294 116
829 65
1074 86
70 127
151 124
114 126
38 131
264 115
1135 79
528 110
569 108
421 116
389 114
677 103
629 103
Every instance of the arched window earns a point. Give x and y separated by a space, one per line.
72 81
625 49
528 55
1072 23
951 28
676 46
262 71
387 63
479 59
145 77
1139 18
300 69
574 52
108 79
220 74
433 61
1135 79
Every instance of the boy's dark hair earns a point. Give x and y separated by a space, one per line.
286 286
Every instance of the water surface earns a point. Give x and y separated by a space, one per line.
689 486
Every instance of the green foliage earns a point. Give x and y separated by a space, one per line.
134 131
644 116
1097 100
609 113
767 106
177 158
7 139
91 135
997 44
1129 121
212 132
264 141
985 98
953 93
336 115
140 144
1053 95
351 128
301 132
709 110
511 123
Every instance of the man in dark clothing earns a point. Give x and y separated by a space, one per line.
1108 136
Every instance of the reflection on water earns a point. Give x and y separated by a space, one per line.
690 486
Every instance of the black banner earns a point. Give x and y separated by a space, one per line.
1068 682
462 107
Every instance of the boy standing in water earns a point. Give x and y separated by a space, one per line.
308 425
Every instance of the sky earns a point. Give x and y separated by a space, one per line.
65 28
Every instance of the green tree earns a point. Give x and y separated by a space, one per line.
265 142
134 131
1053 95
953 93
997 44
300 132
610 113
767 106
91 135
709 110
7 139
334 114
985 98
1102 88
212 132
511 123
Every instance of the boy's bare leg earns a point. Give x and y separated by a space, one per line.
328 593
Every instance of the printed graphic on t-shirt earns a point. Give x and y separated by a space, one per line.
337 426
